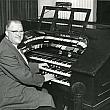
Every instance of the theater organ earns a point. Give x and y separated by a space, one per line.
74 58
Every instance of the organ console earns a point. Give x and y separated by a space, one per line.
58 51
77 62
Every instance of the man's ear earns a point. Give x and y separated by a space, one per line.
6 33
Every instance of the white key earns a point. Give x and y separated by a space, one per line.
61 82
52 62
55 71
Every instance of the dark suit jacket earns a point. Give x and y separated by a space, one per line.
15 80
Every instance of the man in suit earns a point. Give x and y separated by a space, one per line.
17 80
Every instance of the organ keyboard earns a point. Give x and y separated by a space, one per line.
55 62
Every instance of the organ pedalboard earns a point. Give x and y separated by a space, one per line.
58 51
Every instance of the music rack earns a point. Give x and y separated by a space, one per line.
71 23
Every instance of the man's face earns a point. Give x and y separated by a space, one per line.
15 32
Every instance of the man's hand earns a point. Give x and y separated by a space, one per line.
42 64
48 77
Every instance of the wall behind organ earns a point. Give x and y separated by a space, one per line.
17 9
91 4
103 12
42 3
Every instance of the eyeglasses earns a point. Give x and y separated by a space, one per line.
22 32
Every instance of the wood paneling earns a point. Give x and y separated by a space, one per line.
17 9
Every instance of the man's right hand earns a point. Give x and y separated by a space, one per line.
48 77
42 64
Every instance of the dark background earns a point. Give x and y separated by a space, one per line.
28 10
103 12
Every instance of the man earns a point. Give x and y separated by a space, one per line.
17 80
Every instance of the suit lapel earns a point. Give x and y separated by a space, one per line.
15 51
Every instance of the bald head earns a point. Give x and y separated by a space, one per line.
12 23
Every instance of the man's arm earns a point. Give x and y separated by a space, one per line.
34 67
18 70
